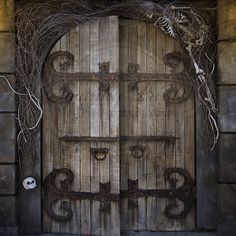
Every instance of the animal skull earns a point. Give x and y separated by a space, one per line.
29 183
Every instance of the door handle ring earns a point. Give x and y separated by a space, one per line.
100 153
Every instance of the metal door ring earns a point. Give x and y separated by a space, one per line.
137 151
100 153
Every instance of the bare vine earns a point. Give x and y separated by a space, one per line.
40 24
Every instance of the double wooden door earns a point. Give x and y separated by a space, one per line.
118 127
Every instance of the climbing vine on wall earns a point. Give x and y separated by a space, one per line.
40 24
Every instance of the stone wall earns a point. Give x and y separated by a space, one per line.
227 116
8 198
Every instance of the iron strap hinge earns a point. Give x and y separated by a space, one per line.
52 194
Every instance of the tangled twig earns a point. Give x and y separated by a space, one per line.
40 24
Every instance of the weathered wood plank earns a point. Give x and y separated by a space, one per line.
84 129
114 124
151 147
161 126
170 129
94 124
133 122
141 162
104 116
124 113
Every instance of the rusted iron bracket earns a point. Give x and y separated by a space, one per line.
185 193
52 194
179 90
159 138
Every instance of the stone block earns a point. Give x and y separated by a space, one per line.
227 63
227 111
6 15
7 53
227 154
7 138
7 179
8 211
227 203
226 19
7 96
9 231
226 229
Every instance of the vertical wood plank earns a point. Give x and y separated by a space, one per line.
161 125
142 61
124 113
170 128
94 123
85 128
151 125
114 124
133 117
104 116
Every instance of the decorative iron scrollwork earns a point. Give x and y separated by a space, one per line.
177 92
137 151
49 83
104 68
99 153
173 60
52 194
185 193
132 70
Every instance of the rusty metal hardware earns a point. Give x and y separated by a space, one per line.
137 151
159 138
185 193
133 70
173 60
104 67
54 79
53 194
174 95
49 82
99 153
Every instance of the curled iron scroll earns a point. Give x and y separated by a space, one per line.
49 79
177 92
53 194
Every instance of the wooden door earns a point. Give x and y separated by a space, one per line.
117 116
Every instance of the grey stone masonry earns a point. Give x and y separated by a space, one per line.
8 194
227 116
